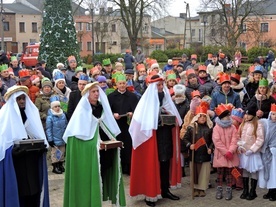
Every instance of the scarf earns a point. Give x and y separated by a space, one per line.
57 113
179 100
223 123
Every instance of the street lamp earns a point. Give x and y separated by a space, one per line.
91 12
204 31
2 25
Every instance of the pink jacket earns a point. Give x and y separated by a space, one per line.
225 139
251 142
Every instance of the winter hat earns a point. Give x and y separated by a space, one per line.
59 76
46 82
54 101
237 114
84 77
101 78
179 90
154 65
129 71
60 65
194 103
251 109
118 65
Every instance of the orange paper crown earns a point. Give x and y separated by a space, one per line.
236 76
202 67
273 107
175 62
168 72
224 78
251 69
195 93
193 56
201 110
71 57
190 71
204 104
220 109
140 66
24 73
152 61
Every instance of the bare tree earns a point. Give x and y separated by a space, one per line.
132 13
229 16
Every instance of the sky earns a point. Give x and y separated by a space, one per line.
177 7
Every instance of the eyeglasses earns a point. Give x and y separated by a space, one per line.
58 106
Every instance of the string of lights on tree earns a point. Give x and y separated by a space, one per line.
58 35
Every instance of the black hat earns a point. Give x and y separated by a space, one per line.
97 63
129 71
215 55
251 109
256 60
42 62
181 65
224 114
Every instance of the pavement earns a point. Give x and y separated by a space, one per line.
56 185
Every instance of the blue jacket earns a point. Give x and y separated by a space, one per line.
55 127
219 97
129 60
167 67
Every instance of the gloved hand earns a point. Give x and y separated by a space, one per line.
248 152
51 143
229 155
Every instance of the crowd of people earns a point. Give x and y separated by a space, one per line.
186 112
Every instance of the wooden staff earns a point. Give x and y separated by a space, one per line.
193 162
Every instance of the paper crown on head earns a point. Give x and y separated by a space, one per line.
71 57
237 114
14 89
273 107
171 76
222 110
106 62
235 77
193 56
175 62
83 77
224 78
94 71
195 93
13 58
189 72
263 82
201 109
120 77
202 68
140 67
152 61
59 75
155 78
179 89
4 67
24 73
54 101
78 69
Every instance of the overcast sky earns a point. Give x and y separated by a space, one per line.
177 7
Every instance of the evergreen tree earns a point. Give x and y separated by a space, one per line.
58 37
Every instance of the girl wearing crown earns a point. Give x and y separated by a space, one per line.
251 140
200 129
225 157
267 177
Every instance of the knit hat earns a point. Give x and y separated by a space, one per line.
129 71
101 78
179 89
60 65
154 65
251 109
54 101
194 103
237 114
46 82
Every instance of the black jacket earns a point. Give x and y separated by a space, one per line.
74 98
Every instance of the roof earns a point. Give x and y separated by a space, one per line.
20 8
156 32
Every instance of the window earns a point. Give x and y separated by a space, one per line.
113 28
158 47
264 44
213 32
34 27
114 43
243 45
88 26
21 26
80 46
243 28
105 27
6 26
264 27
199 35
213 19
98 26
79 26
89 46
193 32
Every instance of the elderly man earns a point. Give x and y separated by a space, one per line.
153 148
91 123
75 96
24 177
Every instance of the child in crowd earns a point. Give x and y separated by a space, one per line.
225 157
202 146
237 117
250 143
267 177
56 123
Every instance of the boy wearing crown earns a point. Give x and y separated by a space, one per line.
5 76
198 138
225 157
267 177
